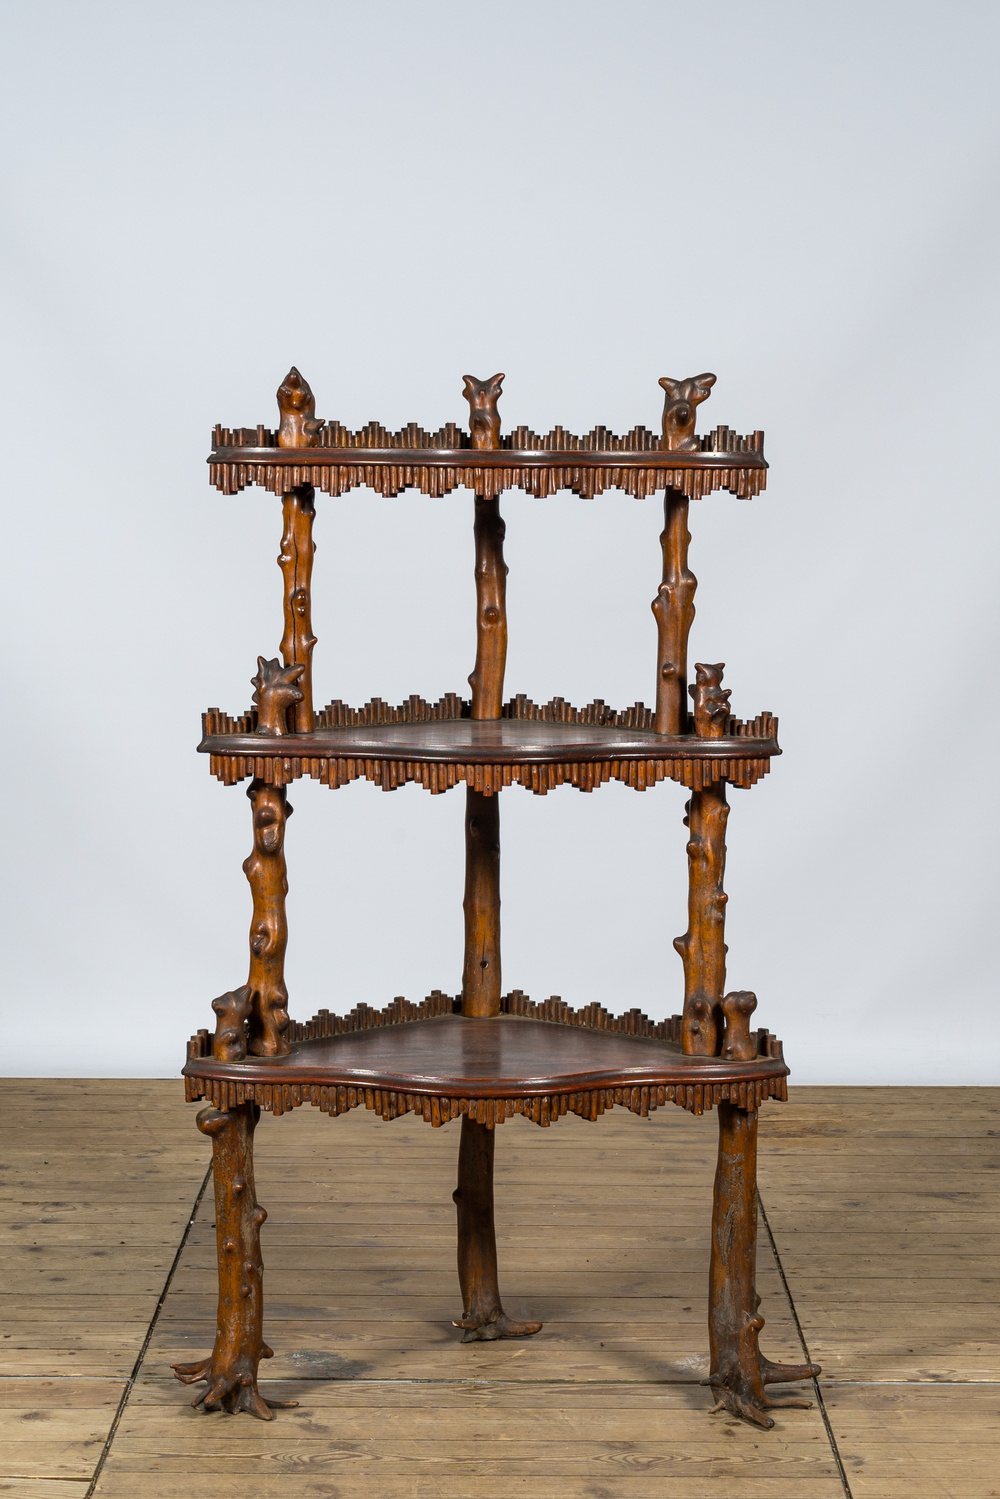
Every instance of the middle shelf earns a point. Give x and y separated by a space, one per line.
393 746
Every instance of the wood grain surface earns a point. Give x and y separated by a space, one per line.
881 1202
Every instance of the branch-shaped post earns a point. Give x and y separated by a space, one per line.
739 1371
274 693
299 429
481 969
295 560
673 609
231 1371
265 869
703 946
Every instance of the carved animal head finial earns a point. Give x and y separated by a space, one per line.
297 406
737 1043
484 419
232 1011
275 693
711 701
682 400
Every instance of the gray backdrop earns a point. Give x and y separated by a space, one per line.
800 198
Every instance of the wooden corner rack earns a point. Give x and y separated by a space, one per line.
483 1056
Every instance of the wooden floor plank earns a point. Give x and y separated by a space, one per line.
882 1203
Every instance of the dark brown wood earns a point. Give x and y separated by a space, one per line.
703 946
265 869
491 1057
499 741
483 1318
231 1370
673 609
481 967
680 405
739 1371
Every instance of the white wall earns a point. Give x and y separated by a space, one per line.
801 198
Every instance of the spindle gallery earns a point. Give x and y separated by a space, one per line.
484 1055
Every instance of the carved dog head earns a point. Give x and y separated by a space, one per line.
484 419
297 406
683 397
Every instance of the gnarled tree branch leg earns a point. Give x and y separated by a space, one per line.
231 1371
483 1316
739 1371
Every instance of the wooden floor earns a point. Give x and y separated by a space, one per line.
881 1259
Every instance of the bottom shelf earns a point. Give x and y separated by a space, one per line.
534 1060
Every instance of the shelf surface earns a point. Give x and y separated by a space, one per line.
503 1057
501 741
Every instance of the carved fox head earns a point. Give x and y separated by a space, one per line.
683 397
297 406
484 419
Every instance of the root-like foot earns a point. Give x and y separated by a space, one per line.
497 1325
230 1393
753 1405
786 1373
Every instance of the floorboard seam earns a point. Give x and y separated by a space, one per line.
805 1349
130 1382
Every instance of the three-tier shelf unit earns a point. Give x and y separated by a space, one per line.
483 1056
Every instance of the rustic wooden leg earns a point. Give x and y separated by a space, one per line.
483 1316
231 1371
739 1370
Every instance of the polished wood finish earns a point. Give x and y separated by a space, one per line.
484 1057
265 870
231 1370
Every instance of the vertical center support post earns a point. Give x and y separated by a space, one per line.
483 1317
481 968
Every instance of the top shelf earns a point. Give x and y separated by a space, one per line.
391 462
